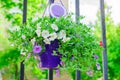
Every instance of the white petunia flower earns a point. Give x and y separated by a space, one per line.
15 10
37 14
61 34
33 41
45 34
34 19
53 36
38 32
14 28
28 56
47 41
22 52
23 37
38 26
54 27
66 39
12 45
17 1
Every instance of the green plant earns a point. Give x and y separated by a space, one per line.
77 44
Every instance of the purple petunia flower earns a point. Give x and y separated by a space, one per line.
95 56
98 66
90 73
72 57
37 49
58 73
61 63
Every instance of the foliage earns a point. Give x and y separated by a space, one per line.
77 44
13 9
10 57
113 44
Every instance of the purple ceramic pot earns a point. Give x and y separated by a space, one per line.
48 60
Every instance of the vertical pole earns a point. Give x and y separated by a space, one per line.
78 75
24 21
50 74
0 75
77 11
50 71
105 66
22 70
24 11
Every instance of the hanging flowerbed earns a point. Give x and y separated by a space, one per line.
58 42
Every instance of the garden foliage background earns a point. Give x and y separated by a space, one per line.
9 57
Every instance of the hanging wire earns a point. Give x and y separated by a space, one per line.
61 2
45 9
48 5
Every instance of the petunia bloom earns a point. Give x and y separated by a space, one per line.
90 73
15 10
54 26
16 1
58 73
62 34
38 32
33 41
23 37
95 56
47 41
98 66
37 49
66 39
53 36
45 34
61 63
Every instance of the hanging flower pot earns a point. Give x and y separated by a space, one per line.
49 61
59 40
57 10
48 58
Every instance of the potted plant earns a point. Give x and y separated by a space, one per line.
58 42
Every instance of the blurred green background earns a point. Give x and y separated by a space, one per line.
9 57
